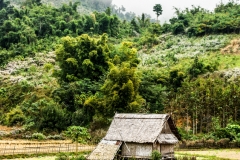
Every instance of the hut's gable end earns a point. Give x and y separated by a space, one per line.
166 129
166 136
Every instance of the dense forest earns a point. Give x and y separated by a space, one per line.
80 62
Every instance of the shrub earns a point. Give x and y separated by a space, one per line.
234 129
29 126
47 66
52 117
38 136
62 156
178 28
15 117
222 133
156 155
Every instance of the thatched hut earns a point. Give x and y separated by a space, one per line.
138 135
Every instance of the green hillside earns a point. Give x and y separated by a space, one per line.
77 64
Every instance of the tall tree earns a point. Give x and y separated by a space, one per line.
158 9
83 57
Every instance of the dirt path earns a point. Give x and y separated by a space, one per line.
221 153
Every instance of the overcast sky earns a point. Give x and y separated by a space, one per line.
146 6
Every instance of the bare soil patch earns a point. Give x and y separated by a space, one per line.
8 129
233 47
220 153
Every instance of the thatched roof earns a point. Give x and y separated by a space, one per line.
141 128
105 150
167 139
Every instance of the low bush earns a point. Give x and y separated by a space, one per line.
156 155
38 136
15 117
223 133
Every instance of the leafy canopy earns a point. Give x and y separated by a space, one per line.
82 57
158 9
77 134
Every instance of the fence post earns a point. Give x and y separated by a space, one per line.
49 148
36 147
13 149
4 150
59 148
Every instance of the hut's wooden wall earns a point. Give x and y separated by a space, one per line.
156 146
167 149
137 150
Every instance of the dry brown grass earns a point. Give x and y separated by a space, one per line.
233 47
221 153
8 129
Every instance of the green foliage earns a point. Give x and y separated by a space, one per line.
152 90
234 129
121 90
77 134
73 96
176 78
46 114
125 53
158 9
38 136
15 117
223 133
177 28
47 67
156 155
100 76
198 21
198 67
52 116
82 57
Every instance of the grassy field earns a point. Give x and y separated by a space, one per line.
40 158
207 154
213 154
